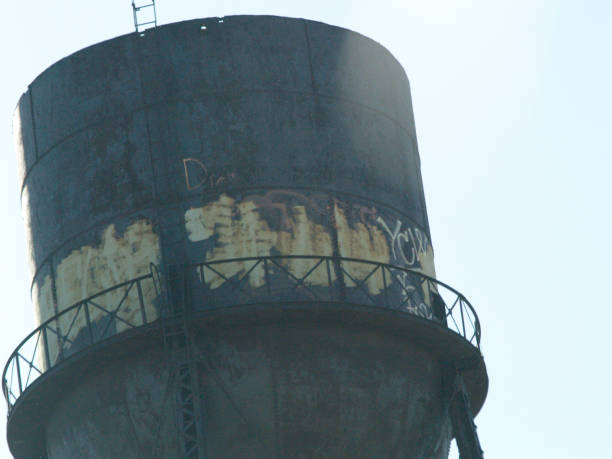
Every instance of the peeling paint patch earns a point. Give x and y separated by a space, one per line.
363 243
94 268
426 262
285 222
241 231
116 259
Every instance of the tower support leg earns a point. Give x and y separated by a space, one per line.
462 418
178 344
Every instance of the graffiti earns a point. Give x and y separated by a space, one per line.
198 176
409 292
406 245
410 248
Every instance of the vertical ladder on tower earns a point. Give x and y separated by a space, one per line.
462 418
145 15
178 345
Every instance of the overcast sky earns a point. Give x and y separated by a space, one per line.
513 108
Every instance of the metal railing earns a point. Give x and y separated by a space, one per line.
237 282
122 307
251 280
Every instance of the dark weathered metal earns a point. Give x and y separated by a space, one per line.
274 163
462 418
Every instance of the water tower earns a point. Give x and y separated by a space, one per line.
230 254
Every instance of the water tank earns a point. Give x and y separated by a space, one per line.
230 253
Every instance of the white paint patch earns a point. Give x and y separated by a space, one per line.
365 244
241 231
92 269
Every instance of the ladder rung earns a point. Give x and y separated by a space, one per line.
137 12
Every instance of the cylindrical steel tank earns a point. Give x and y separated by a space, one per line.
262 174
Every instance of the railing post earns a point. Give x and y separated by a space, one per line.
87 318
340 278
18 373
267 276
462 319
46 345
141 302
6 392
329 279
386 295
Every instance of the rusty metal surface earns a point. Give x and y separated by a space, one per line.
217 144
303 128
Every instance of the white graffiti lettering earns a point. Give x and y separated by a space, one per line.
198 176
408 290
406 246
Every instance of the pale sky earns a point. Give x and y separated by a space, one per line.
513 109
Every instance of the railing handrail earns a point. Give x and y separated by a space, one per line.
70 308
328 257
15 355
357 260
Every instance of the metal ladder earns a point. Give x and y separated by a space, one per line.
178 345
145 15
